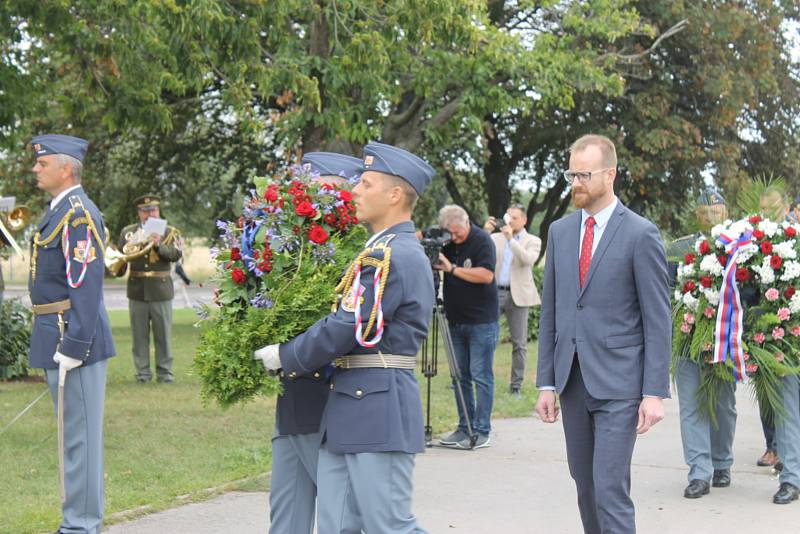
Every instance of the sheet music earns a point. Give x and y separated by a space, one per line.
154 225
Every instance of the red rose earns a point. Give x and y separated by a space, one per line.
722 259
789 293
239 276
354 219
345 195
688 286
317 234
706 281
705 248
271 194
755 219
305 209
742 274
758 234
790 231
689 258
235 254
329 218
775 261
766 248
265 266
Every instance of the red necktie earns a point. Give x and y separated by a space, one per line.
586 249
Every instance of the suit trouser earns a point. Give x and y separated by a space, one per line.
517 319
157 313
600 436
84 397
705 448
787 431
369 491
293 484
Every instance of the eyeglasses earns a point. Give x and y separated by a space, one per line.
582 176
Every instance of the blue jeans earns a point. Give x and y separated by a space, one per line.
474 346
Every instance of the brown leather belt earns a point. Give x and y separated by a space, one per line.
150 274
51 307
381 361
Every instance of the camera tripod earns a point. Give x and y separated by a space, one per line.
430 362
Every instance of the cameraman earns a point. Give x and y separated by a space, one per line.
470 303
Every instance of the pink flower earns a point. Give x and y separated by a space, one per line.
746 356
751 368
772 294
778 333
796 331
709 312
759 337
784 314
686 328
779 356
688 317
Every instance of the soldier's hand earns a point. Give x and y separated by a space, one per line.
66 362
546 406
269 356
155 238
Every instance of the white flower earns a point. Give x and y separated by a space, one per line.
794 303
710 265
785 250
791 270
678 295
712 295
765 273
768 227
718 229
690 301
745 253
686 271
738 228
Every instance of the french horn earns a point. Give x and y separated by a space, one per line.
137 244
13 222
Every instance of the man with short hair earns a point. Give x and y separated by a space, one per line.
472 310
517 251
372 426
71 337
605 335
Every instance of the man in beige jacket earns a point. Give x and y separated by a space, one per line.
517 251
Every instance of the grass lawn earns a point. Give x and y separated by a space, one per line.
162 446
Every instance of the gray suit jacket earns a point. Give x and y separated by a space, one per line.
620 323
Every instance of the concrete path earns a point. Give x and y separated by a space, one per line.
521 485
116 299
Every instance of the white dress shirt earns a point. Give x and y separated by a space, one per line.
61 195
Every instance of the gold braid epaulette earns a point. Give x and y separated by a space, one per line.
39 242
346 283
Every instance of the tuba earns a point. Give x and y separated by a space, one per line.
11 223
137 244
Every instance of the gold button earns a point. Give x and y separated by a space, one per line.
359 393
316 375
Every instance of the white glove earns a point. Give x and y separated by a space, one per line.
269 356
66 362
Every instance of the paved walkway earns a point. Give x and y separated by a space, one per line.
520 485
116 299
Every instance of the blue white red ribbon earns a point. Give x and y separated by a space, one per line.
359 290
68 267
730 315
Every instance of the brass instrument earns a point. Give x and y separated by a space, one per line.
13 222
137 244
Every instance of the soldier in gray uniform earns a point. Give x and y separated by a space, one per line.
71 333
372 425
707 448
295 445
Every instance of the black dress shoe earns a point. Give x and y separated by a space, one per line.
696 489
787 494
721 478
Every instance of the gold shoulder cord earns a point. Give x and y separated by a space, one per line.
39 242
347 281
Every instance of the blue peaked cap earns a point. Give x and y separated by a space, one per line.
44 145
710 196
330 163
398 162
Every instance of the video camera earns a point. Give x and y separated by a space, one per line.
433 239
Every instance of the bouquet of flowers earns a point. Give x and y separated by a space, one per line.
277 267
737 307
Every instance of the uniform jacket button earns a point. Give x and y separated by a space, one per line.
359 393
316 375
292 374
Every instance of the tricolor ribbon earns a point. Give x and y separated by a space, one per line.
68 267
730 315
376 286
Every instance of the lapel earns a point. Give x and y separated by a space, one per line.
573 250
608 235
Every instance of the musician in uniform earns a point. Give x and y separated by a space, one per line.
707 446
372 425
295 444
150 289
71 336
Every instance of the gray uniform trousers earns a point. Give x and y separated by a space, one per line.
600 436
84 397
787 431
366 491
517 318
159 314
705 448
293 485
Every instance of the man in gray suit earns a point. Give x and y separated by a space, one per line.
605 335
